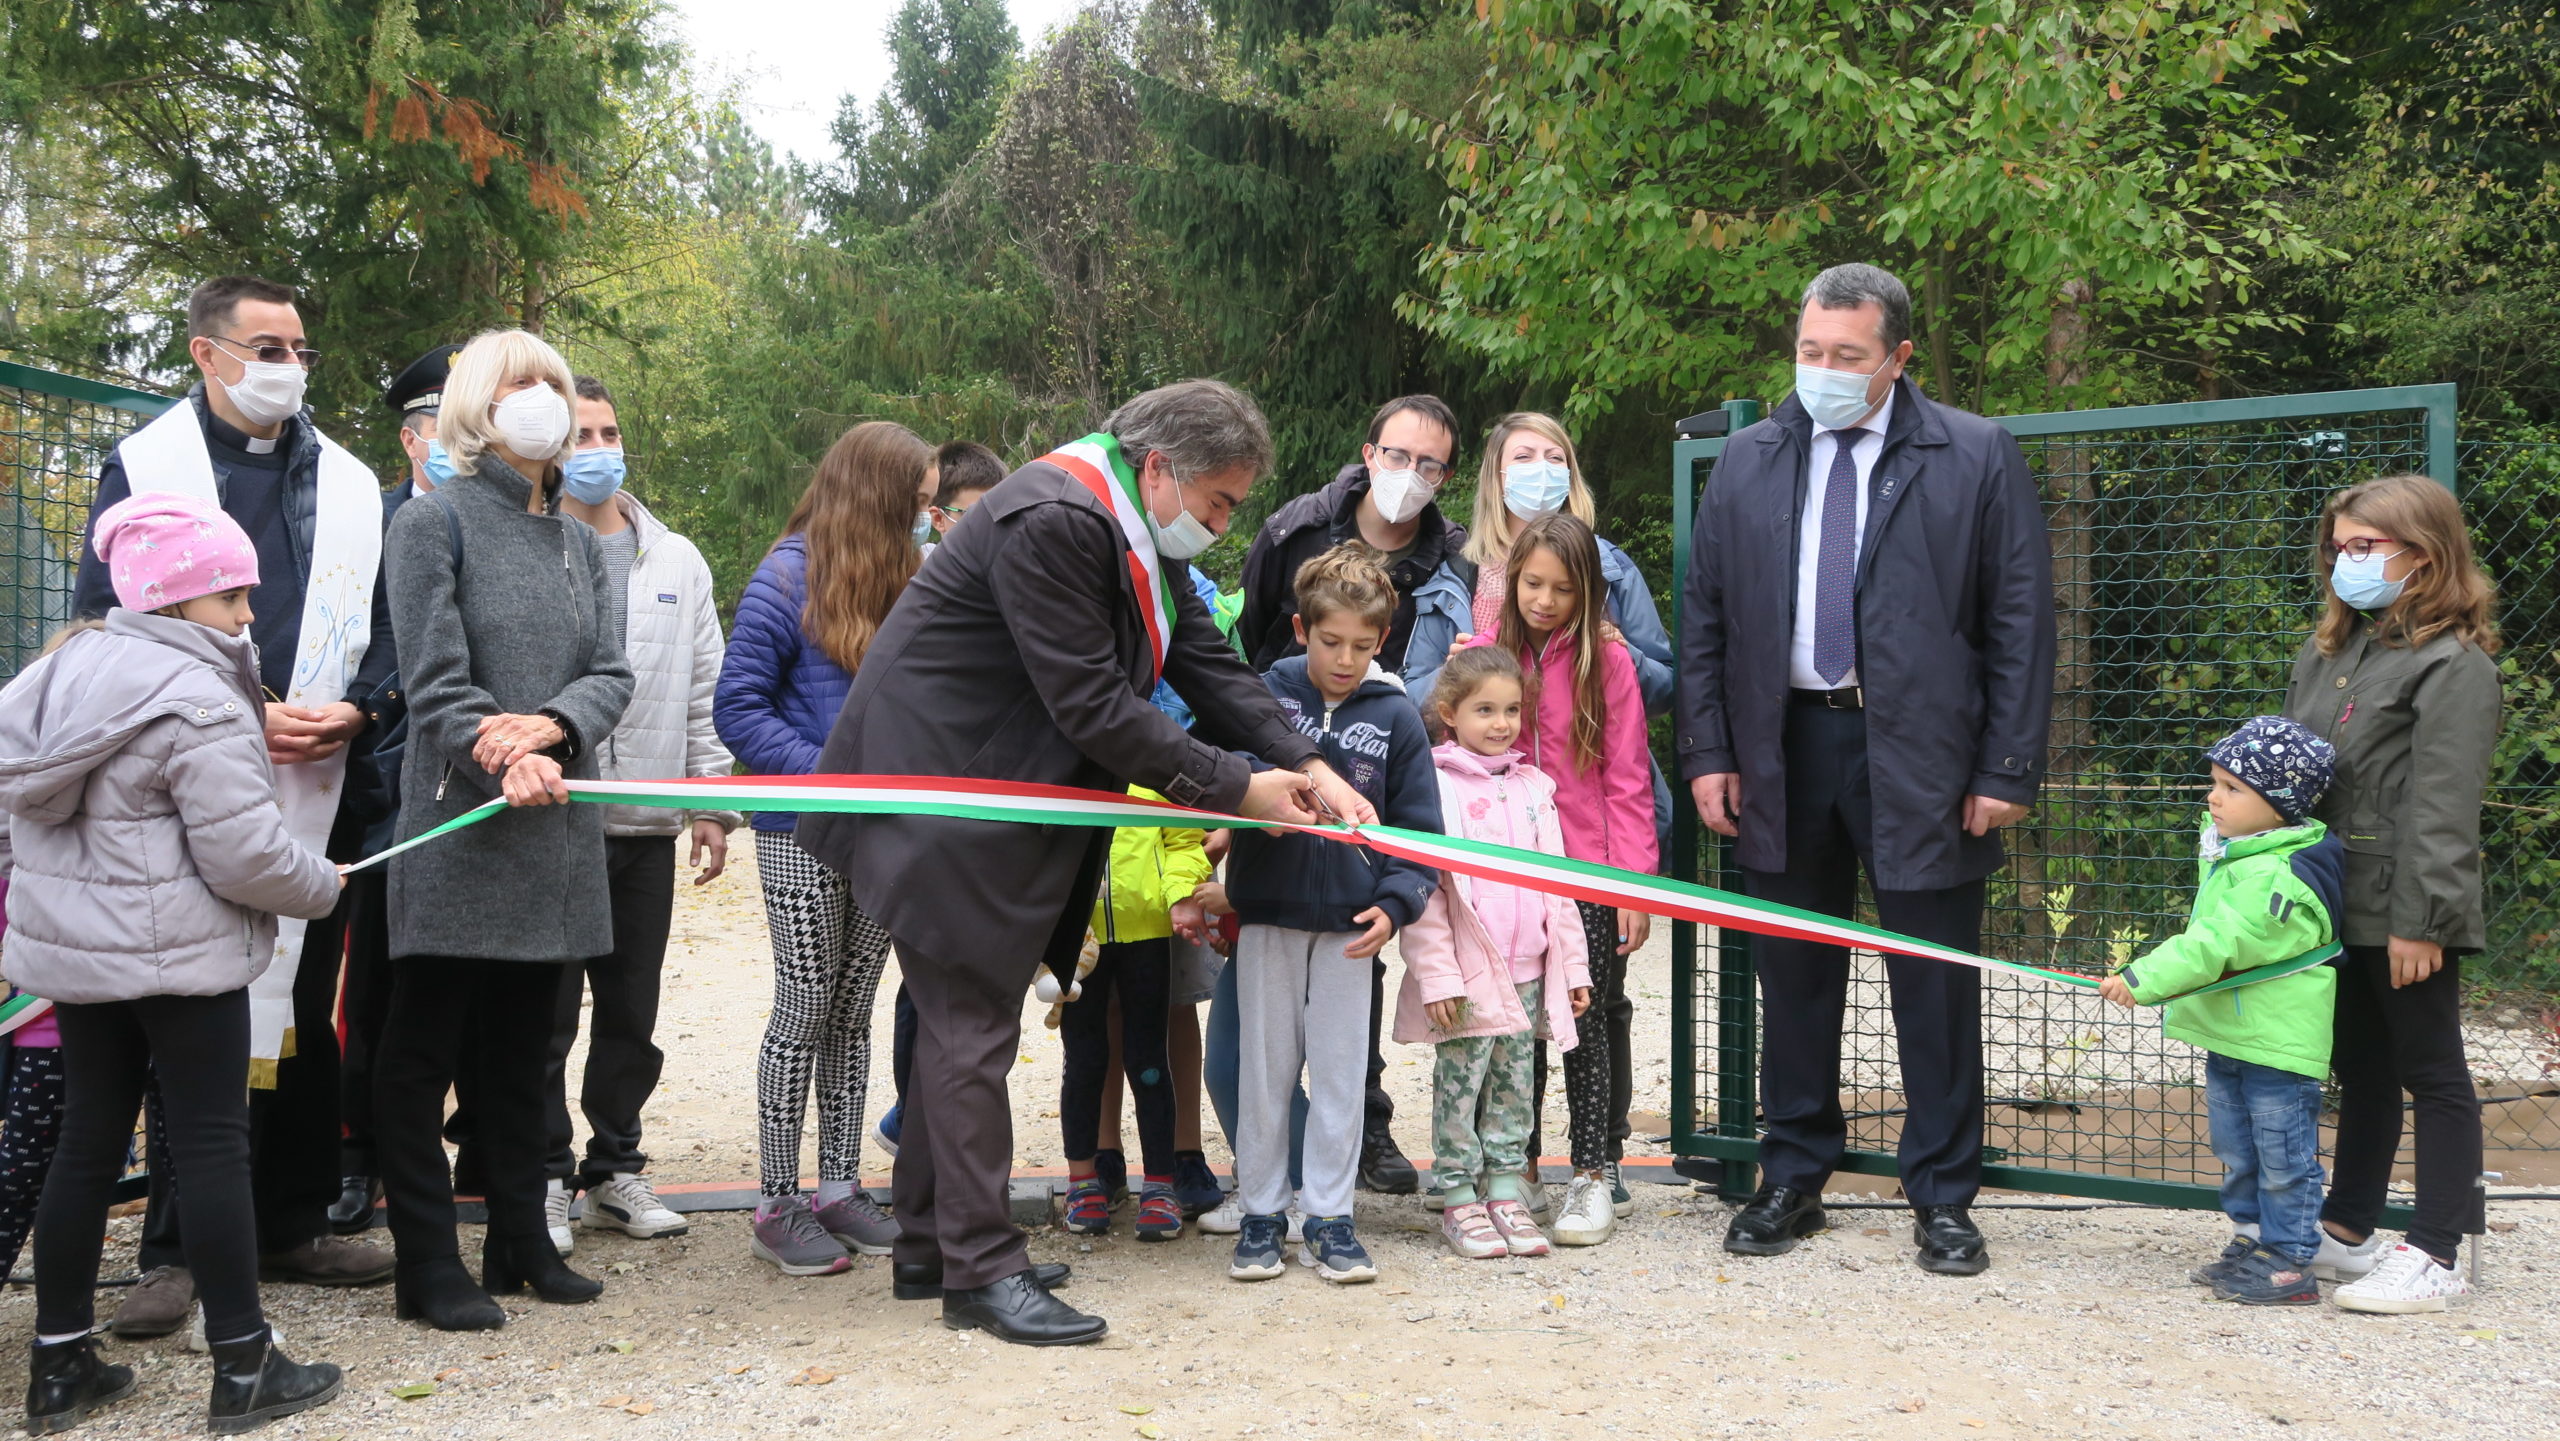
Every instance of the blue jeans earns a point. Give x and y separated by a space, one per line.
1219 1058
2266 1131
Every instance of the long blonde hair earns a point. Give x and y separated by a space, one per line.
493 358
2450 592
857 519
1565 536
1489 533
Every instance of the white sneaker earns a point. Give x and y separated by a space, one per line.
2406 1282
555 1214
1588 1217
2339 1261
629 1204
1227 1220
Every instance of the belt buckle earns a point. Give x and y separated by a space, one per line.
1845 698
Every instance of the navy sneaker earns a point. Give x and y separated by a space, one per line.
888 1127
1111 1168
1336 1253
1088 1209
1159 1215
1195 1186
1258 1255
2215 1272
2267 1277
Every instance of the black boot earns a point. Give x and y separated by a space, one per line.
254 1383
353 1210
66 1381
442 1294
1383 1167
508 1264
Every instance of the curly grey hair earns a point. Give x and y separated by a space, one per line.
1198 426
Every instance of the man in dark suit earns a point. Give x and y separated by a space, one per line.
1866 673
1027 652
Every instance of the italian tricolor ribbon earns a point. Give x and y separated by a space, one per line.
1096 462
1029 803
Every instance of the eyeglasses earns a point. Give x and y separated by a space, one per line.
2361 547
953 511
271 354
1433 473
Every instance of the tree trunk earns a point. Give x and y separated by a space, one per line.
2070 488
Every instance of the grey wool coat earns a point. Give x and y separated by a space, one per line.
151 858
515 628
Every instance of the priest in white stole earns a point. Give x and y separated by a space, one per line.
243 439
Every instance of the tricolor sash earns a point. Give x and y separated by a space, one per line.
169 454
1096 462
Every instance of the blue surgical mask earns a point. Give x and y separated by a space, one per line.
1836 399
439 466
924 528
2359 581
592 476
1532 488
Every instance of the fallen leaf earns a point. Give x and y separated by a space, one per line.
448 1373
1641 1271
811 1376
1975 1424
1667 1215
1150 1430
641 1408
1556 1301
615 1401
413 1390
616 1345
2481 1335
1135 1410
740 1370
491 1355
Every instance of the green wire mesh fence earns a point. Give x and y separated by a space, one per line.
55 430
2182 539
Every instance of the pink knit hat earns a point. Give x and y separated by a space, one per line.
161 548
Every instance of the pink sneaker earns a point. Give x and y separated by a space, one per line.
1470 1233
1518 1229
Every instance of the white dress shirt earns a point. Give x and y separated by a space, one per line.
1826 443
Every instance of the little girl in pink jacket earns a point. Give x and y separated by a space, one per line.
1489 967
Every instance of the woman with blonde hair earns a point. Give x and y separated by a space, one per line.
502 606
2401 677
808 615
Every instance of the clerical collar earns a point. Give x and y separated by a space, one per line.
224 433
258 444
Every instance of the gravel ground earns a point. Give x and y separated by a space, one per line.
2084 1326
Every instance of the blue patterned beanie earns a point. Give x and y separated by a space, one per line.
2279 759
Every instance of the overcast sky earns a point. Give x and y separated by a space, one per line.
798 58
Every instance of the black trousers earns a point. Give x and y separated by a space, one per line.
1378 1107
199 1047
508 1005
363 1004
623 1059
1937 1007
1141 974
2388 1041
293 1128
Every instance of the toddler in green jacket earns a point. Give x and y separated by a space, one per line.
2270 887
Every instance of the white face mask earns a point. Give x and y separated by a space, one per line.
533 422
1836 399
1400 494
267 394
1182 537
1532 488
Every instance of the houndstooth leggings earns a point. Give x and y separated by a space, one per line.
827 959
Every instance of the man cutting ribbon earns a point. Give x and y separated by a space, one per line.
1027 652
243 440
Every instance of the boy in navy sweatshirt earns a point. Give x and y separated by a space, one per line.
1314 912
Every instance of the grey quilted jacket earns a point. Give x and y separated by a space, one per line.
151 858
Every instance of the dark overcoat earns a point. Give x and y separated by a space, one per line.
1019 653
1955 634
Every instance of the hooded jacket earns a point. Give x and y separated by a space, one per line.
1374 741
151 857
779 691
671 634
2268 898
1309 526
1451 952
1151 868
1608 809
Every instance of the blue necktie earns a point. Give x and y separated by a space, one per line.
1835 576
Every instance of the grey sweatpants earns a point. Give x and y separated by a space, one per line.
1299 1002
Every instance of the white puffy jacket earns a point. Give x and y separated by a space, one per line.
674 641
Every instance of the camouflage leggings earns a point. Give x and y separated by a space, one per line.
1482 1109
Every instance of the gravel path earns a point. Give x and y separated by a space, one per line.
2084 1326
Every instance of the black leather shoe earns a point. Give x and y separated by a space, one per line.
1019 1310
353 1210
66 1381
254 1383
1771 1224
918 1281
1383 1168
508 1264
1950 1244
442 1294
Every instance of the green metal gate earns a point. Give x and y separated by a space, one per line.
55 431
2182 538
